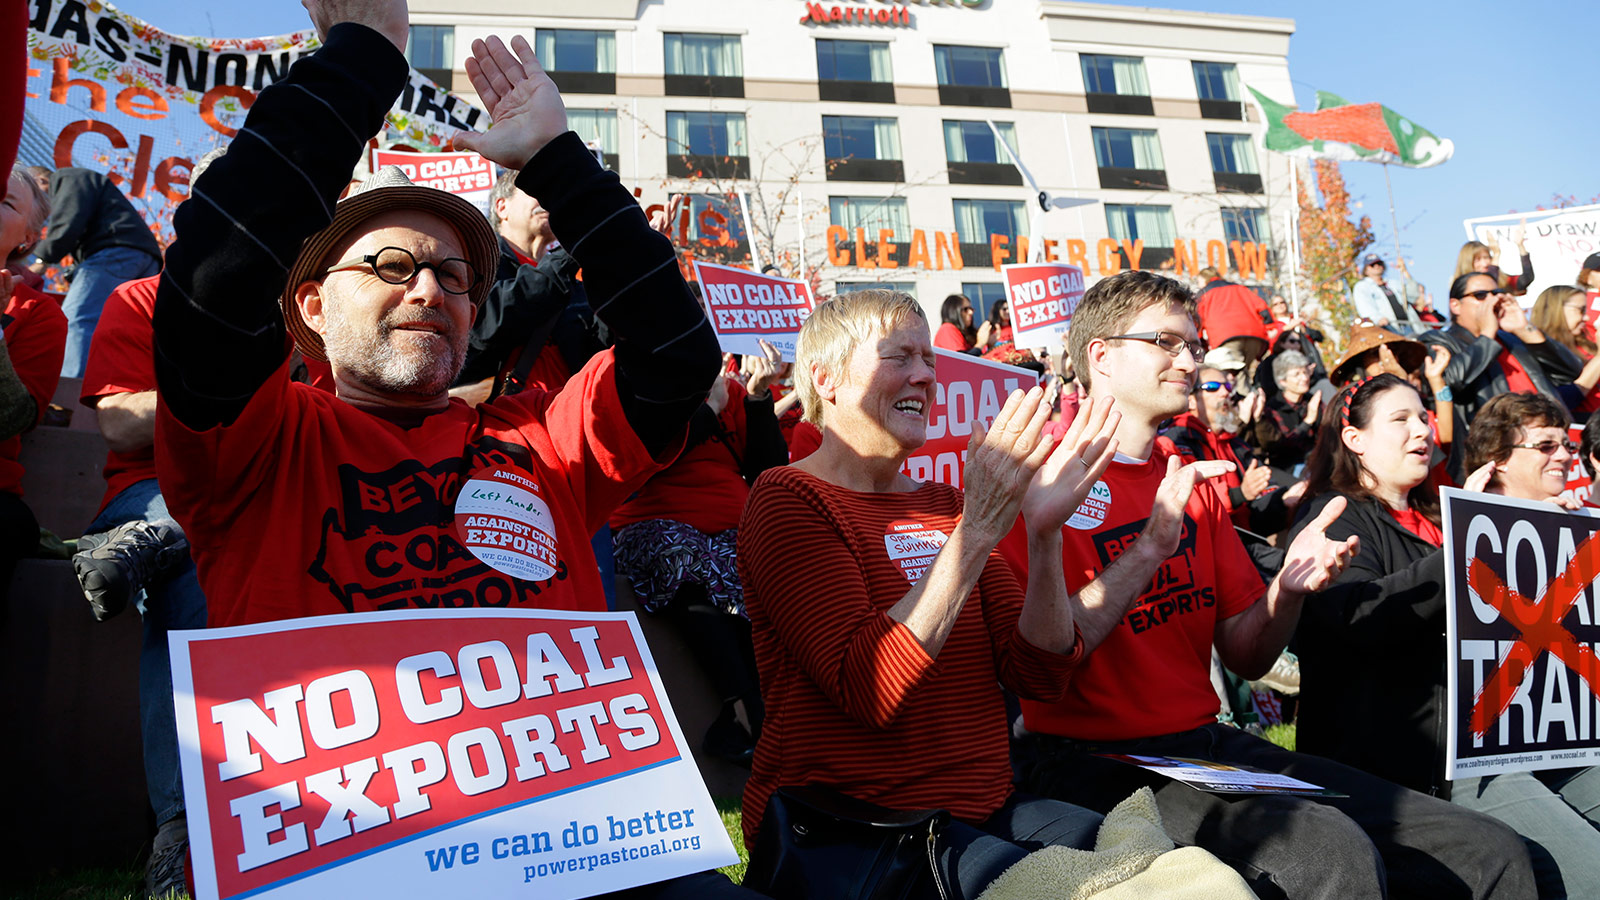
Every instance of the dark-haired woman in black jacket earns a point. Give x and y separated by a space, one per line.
1372 645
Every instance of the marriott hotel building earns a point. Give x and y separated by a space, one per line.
851 140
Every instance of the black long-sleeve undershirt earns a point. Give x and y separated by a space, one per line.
219 334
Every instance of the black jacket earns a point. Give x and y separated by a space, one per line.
88 214
1474 374
1372 653
529 307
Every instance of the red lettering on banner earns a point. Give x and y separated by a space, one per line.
61 85
69 136
1539 624
153 107
208 106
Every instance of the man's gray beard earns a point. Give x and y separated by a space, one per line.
375 360
1226 423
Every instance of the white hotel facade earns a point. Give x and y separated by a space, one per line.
873 115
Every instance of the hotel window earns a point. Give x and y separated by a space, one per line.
984 295
707 143
971 76
704 65
579 62
1129 158
1233 163
857 71
431 49
1116 84
871 214
600 127
1152 224
862 148
977 219
975 156
1245 224
1218 87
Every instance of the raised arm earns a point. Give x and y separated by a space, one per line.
665 349
219 333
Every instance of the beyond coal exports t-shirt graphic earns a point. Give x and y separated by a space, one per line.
392 542
1172 591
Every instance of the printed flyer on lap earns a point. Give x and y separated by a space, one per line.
435 753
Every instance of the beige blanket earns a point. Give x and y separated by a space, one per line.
1132 858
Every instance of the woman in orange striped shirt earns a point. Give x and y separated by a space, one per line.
884 625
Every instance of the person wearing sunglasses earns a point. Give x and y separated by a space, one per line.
1210 429
1491 354
1524 438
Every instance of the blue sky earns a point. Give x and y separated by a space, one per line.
1512 86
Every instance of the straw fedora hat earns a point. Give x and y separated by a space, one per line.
387 190
1408 353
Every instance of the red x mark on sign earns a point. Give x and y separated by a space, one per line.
1540 627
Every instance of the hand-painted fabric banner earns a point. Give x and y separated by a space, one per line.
1361 132
109 92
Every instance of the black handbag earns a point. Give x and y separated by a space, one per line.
818 844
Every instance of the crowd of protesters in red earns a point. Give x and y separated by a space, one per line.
1190 483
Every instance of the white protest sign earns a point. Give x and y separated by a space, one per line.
435 753
1043 297
1558 240
746 308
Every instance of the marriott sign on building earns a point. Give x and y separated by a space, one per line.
850 141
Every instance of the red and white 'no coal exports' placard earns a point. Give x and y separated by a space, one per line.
467 175
1043 297
746 308
435 753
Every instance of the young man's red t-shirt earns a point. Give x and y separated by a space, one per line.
308 505
1152 674
120 362
36 340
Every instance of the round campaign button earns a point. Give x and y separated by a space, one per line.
502 519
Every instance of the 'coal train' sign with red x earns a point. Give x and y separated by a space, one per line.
1522 615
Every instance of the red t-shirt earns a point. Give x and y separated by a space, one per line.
120 362
703 488
1152 674
949 337
36 340
1417 524
308 505
853 700
807 438
1517 380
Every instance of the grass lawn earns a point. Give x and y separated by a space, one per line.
124 884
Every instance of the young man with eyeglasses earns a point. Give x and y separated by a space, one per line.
1159 576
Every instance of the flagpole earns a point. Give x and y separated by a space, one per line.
1294 234
1393 222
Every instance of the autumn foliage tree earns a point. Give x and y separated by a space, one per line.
1329 244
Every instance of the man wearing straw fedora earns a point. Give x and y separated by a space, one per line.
300 502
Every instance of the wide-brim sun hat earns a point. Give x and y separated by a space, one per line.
1408 353
386 191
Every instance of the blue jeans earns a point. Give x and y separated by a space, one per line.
93 280
973 855
1555 811
171 605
